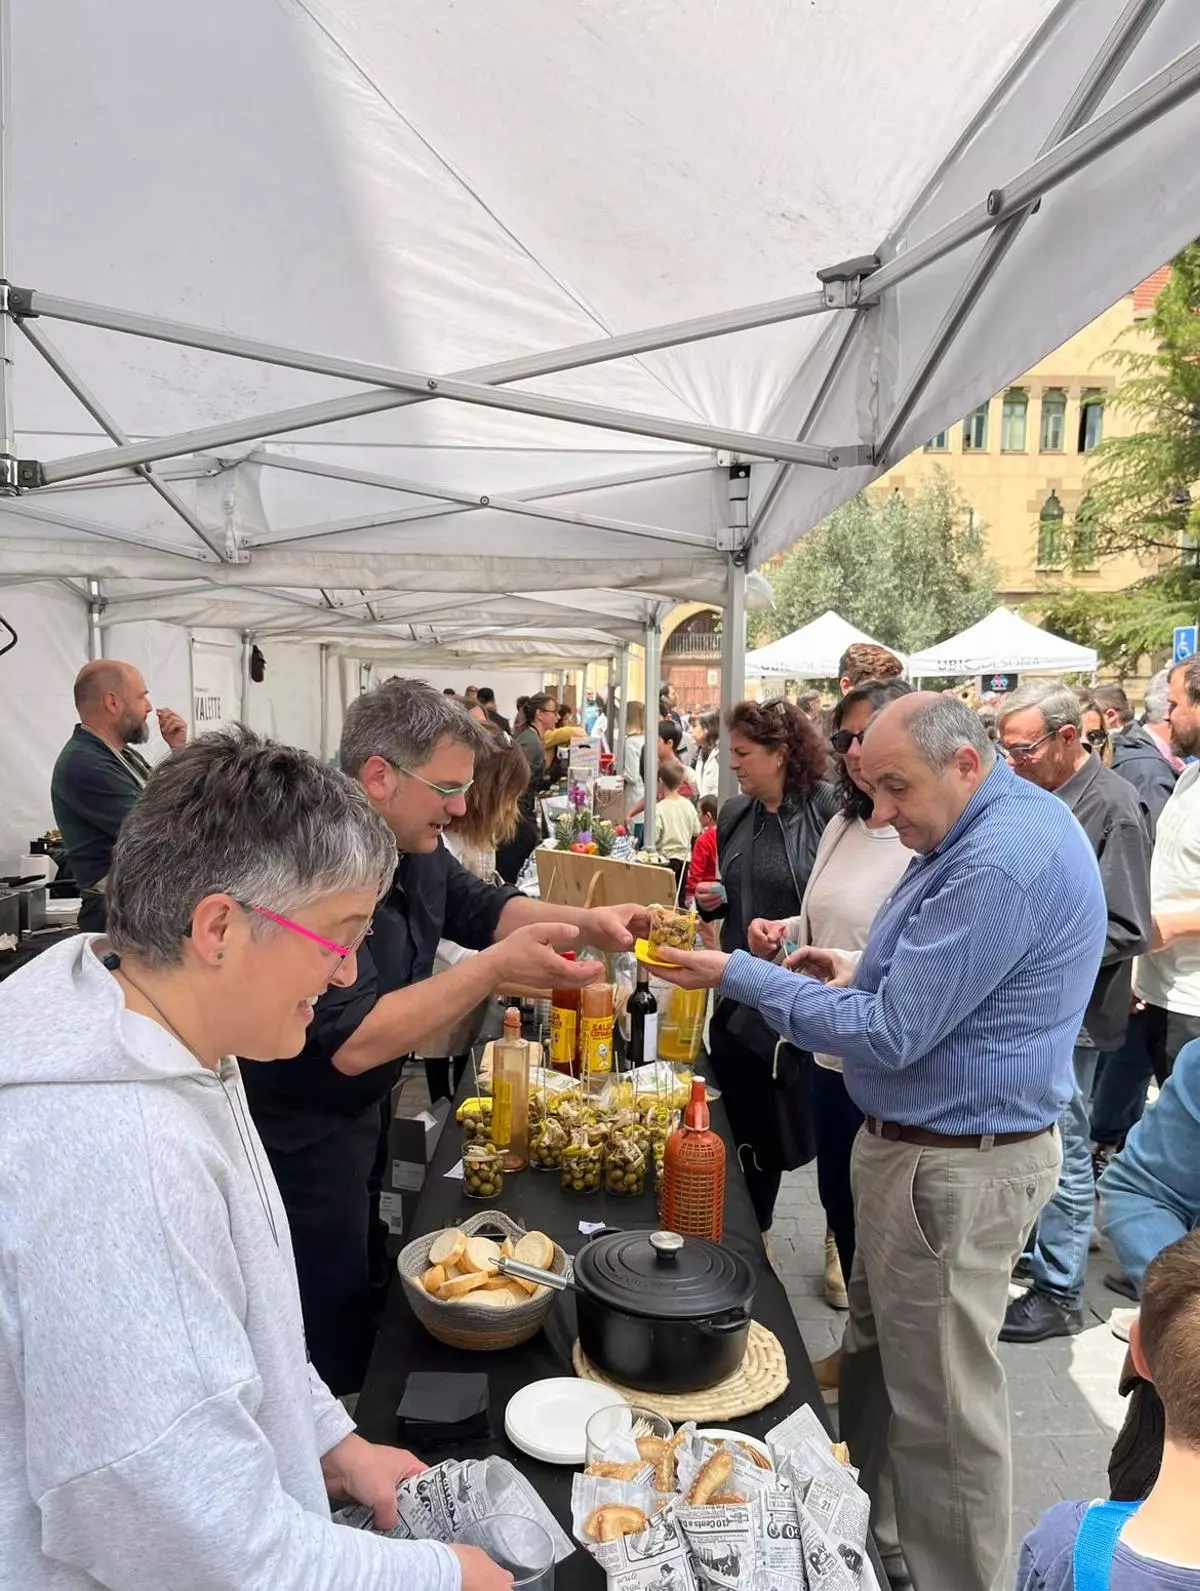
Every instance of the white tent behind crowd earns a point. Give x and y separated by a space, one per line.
1003 643
811 652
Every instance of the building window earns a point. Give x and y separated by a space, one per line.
975 430
1050 534
1054 420
1091 419
939 443
1012 421
1085 549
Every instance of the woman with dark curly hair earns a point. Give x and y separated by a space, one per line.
766 843
858 863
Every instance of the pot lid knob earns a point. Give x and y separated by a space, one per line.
666 1246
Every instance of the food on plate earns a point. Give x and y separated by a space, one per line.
448 1247
756 1454
676 929
713 1478
615 1520
433 1278
662 1455
614 1472
460 1286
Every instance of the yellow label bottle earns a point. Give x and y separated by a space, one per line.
596 1027
564 1037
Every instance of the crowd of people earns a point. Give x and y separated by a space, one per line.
953 946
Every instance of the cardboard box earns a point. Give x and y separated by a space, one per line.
412 1141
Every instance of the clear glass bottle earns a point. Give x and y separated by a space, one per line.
510 1093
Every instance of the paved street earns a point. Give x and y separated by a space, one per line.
1063 1394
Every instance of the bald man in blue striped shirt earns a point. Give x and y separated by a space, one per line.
957 1029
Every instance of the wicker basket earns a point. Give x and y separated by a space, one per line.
473 1326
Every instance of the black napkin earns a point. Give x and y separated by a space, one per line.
439 1406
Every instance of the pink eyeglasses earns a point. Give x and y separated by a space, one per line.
340 951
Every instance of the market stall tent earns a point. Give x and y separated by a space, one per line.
322 305
1003 643
811 652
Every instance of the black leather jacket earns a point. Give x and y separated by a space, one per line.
803 819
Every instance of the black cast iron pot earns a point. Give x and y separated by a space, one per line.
657 1311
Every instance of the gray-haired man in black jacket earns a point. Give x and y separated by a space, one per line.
1041 735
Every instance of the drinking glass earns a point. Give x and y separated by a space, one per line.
517 1544
621 1419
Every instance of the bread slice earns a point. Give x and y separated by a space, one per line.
494 1297
535 1248
481 1255
460 1286
447 1247
433 1278
507 1250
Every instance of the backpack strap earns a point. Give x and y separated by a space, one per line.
1099 1531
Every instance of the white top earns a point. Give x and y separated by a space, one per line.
635 745
710 775
1171 978
855 871
675 827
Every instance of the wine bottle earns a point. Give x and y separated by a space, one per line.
643 1021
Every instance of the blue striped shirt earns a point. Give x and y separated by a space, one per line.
965 1006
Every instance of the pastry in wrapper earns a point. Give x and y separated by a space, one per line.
672 928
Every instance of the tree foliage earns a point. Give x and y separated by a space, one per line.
908 573
1124 626
1139 485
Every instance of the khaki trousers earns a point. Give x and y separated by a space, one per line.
923 1402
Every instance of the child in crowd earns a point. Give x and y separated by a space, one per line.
704 851
675 822
1153 1545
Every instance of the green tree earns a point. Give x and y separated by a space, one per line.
908 573
1125 626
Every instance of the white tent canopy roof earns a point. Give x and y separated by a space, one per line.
811 652
1003 643
449 300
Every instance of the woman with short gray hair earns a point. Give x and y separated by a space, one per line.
160 1423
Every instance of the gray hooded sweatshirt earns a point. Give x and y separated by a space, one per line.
161 1428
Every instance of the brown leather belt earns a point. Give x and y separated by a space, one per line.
895 1131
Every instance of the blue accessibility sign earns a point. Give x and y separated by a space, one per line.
1184 645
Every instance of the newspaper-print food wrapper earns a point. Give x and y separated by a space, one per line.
834 1512
724 1542
437 1504
656 1560
694 1452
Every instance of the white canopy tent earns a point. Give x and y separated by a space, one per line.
321 304
1003 643
811 652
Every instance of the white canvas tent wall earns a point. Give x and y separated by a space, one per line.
522 242
1002 643
811 652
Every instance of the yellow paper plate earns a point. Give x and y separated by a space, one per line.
642 950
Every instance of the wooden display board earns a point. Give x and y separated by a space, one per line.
565 878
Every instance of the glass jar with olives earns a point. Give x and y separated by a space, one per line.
625 1165
547 1140
582 1165
483 1171
477 1125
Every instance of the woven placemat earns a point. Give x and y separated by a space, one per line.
761 1377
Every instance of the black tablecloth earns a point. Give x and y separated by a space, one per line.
32 945
535 1198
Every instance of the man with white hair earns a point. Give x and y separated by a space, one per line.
1156 718
1041 734
99 776
956 1028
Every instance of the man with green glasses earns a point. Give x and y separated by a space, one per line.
323 1116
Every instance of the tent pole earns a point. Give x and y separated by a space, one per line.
733 663
22 508
617 720
106 423
7 428
650 754
1124 38
610 696
541 405
324 649
95 633
244 712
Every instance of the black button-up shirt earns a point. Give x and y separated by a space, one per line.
92 788
297 1102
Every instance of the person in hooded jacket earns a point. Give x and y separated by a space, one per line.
160 1422
1135 752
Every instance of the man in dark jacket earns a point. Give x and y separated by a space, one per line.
486 697
99 776
322 1117
1041 735
1136 754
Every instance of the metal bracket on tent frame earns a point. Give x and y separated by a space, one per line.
843 282
18 475
732 536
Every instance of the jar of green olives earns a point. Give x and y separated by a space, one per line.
547 1140
483 1171
625 1165
582 1165
477 1125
